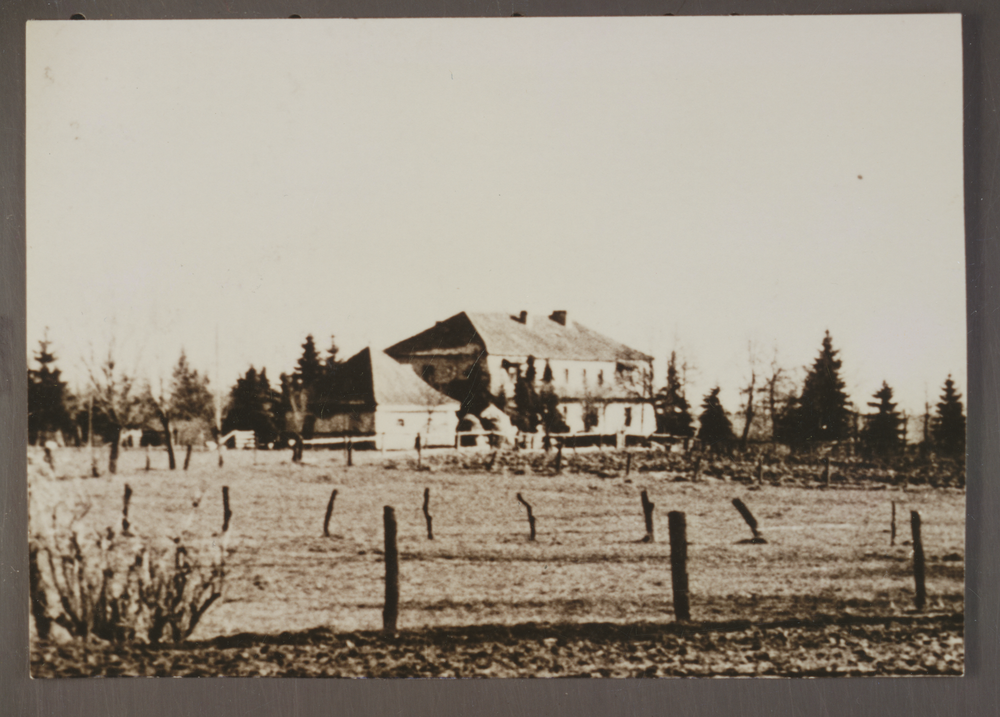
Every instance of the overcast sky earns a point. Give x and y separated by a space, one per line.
689 183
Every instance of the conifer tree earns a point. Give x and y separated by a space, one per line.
716 428
948 425
551 419
673 413
822 411
309 368
47 396
190 396
251 402
526 406
883 432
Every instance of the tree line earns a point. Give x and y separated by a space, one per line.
184 409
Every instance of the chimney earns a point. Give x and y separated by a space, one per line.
559 317
521 318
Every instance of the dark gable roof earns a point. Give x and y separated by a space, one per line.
370 378
503 335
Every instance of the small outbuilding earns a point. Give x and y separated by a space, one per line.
376 398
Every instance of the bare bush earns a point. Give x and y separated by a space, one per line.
123 588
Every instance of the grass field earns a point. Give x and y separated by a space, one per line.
827 553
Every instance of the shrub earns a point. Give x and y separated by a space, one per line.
121 587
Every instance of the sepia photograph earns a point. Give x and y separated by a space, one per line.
496 348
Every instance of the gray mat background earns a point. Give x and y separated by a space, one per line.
976 694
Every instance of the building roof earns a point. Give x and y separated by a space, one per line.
545 338
373 376
505 335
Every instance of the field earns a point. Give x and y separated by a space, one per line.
827 558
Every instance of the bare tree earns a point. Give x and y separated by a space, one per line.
773 390
748 407
159 404
113 391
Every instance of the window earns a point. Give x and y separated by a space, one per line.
628 416
600 378
585 375
567 375
401 422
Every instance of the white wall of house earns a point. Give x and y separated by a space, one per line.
569 378
396 427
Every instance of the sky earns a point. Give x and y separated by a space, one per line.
715 186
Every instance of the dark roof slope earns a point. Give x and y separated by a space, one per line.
370 378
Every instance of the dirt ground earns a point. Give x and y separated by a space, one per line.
828 550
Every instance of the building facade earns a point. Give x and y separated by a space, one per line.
476 358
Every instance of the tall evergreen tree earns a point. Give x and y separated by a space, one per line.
47 396
309 368
550 417
948 425
716 428
883 431
190 396
526 406
822 412
673 413
251 402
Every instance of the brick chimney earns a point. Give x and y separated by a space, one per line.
559 317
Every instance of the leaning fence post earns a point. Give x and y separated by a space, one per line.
677 527
128 497
391 611
226 513
920 599
647 513
750 520
329 514
531 516
187 457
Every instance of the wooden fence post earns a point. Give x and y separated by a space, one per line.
826 470
750 520
559 458
147 458
920 599
760 471
226 513
697 469
391 611
677 527
128 497
350 452
329 514
427 515
419 452
531 516
647 513
628 464
187 457
892 526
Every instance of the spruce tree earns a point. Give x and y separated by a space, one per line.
716 427
309 368
883 432
526 406
251 403
47 396
673 413
948 425
822 411
551 419
190 396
